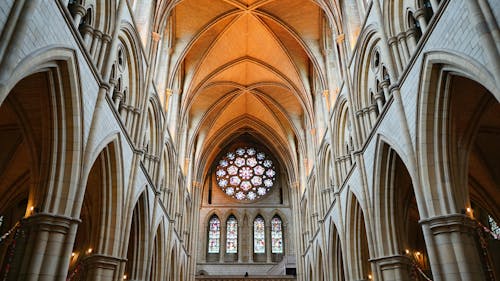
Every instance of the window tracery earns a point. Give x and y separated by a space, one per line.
276 236
214 235
259 242
232 236
245 174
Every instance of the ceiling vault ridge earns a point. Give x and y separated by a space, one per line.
237 14
193 93
318 65
284 48
250 86
226 101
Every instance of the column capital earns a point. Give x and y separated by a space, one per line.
77 8
394 87
106 38
411 32
86 28
156 36
449 223
401 36
340 38
384 83
392 40
419 13
391 260
98 33
51 222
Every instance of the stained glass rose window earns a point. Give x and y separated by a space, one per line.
245 173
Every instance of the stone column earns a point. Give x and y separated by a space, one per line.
385 88
359 115
87 32
411 40
222 241
96 43
106 39
239 240
453 252
420 16
392 268
403 47
267 236
434 5
78 12
372 113
378 98
46 251
103 268
393 41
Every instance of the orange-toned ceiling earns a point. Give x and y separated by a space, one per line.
246 60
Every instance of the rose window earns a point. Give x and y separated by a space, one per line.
245 174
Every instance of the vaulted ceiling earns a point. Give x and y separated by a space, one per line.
247 66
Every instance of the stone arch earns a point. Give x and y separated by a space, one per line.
357 239
172 272
434 95
343 139
152 138
397 216
370 99
138 236
320 265
158 250
98 233
40 112
335 257
459 120
63 125
128 96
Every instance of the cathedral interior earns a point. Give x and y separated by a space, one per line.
225 140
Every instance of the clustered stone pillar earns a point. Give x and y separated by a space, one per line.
454 254
46 250
392 268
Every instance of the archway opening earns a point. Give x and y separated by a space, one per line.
24 134
475 121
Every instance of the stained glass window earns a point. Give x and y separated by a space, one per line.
276 236
214 235
232 236
495 229
259 242
245 173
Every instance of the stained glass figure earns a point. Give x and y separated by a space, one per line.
214 235
245 173
232 235
259 242
276 236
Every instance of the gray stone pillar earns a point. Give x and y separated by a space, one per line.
452 248
103 268
420 16
46 253
393 42
393 268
